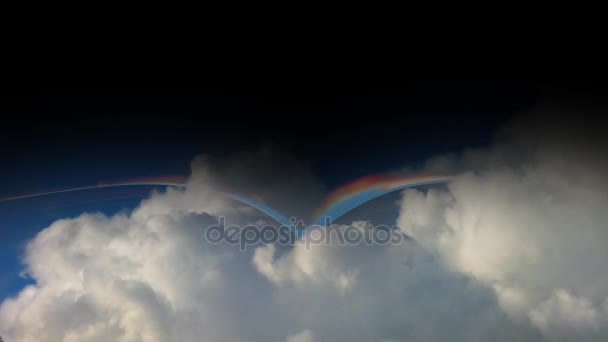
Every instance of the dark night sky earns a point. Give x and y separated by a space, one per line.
59 138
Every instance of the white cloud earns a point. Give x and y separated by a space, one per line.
528 219
125 278
303 336
149 275
512 250
564 316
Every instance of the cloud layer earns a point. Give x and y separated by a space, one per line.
512 250
529 220
151 276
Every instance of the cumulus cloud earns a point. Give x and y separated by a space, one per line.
149 275
528 218
303 336
512 250
155 278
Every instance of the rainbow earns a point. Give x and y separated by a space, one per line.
172 181
176 181
336 204
259 205
362 190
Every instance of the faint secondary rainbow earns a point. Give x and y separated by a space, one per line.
177 181
362 190
173 181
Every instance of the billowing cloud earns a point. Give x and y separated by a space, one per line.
150 275
154 278
528 218
511 250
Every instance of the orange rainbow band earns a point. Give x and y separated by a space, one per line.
170 179
378 181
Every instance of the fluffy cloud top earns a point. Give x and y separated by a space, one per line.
128 278
528 219
150 275
512 250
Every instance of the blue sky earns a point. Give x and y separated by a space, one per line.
21 220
